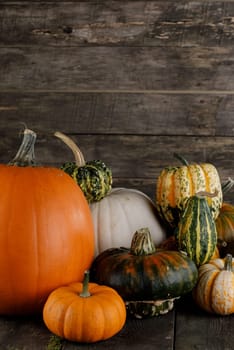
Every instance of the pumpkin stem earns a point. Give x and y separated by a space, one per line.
85 290
202 194
79 158
25 155
142 243
228 262
180 158
227 185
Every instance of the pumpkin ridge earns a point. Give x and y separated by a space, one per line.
211 284
145 277
214 291
207 182
196 233
43 244
190 179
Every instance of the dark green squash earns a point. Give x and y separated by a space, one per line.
196 233
93 177
148 279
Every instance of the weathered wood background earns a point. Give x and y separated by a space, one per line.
131 82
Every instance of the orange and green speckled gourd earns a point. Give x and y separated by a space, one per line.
176 184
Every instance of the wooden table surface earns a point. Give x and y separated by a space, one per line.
185 327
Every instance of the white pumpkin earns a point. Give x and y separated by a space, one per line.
118 215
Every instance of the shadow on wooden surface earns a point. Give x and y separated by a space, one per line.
197 330
30 333
185 328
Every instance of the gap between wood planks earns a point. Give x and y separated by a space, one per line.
109 91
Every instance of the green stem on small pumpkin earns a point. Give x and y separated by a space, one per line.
142 243
25 155
227 185
85 289
79 158
228 262
180 158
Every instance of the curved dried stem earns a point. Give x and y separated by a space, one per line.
25 155
79 158
207 194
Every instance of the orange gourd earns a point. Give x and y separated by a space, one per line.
84 312
225 220
46 231
225 223
214 291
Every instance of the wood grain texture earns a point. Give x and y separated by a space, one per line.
117 68
132 158
202 330
32 334
132 154
148 334
118 113
23 333
144 23
131 82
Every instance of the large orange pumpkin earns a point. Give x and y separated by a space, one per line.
46 232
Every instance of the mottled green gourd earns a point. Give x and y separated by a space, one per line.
148 279
196 233
93 177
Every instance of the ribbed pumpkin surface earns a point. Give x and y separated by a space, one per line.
46 236
225 223
162 275
84 319
176 184
214 291
196 233
119 214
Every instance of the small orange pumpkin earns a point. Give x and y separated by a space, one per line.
214 291
84 312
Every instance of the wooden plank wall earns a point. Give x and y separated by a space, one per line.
130 81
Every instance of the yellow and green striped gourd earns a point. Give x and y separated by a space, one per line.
196 234
176 184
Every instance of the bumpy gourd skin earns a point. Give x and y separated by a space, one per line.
196 233
162 275
176 184
94 178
